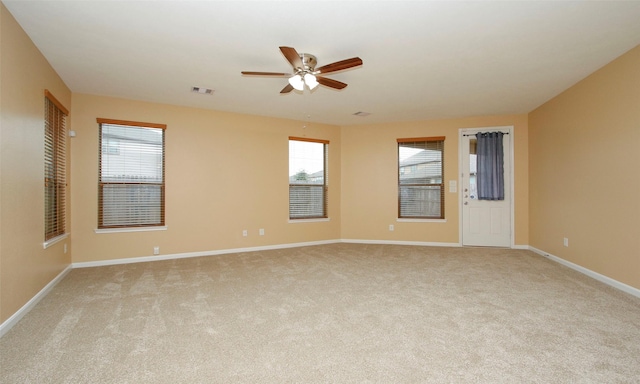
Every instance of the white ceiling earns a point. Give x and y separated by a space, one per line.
422 59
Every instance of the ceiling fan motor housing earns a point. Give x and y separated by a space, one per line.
308 61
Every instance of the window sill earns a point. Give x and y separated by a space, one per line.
131 229
421 220
56 239
308 220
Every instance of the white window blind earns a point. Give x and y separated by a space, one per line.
131 185
307 178
420 178
55 178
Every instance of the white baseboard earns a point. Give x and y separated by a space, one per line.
143 259
398 242
13 320
594 275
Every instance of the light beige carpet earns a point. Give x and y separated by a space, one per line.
340 313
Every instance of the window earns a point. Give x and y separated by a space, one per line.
420 178
307 178
55 156
131 184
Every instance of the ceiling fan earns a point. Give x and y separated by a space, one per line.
306 73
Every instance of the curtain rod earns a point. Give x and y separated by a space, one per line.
504 133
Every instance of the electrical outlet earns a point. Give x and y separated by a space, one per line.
65 247
261 231
565 241
391 228
156 250
245 233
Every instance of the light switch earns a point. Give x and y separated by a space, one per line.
453 186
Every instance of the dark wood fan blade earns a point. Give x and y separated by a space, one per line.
340 65
292 55
266 74
331 83
287 89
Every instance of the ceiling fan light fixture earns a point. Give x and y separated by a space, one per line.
310 80
296 82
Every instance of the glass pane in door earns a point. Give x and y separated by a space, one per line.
473 168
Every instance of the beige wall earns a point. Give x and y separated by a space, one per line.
227 172
25 267
369 179
584 157
224 173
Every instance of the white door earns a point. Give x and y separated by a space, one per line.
484 222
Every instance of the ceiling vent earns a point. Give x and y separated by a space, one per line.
202 90
361 114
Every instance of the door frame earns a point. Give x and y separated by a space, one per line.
510 130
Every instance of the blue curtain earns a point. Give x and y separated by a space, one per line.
490 176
